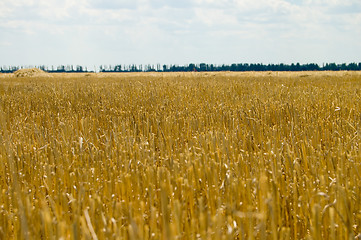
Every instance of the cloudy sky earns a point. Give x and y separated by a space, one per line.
94 32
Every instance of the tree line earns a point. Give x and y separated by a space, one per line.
201 67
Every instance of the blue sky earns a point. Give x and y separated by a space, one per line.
95 32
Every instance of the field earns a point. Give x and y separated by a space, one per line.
181 156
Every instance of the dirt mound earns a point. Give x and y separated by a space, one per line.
31 72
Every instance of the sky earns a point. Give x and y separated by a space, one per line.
98 32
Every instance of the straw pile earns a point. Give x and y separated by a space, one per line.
31 72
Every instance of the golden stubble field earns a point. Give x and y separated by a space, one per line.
181 156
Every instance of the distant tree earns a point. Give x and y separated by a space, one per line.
199 67
79 68
202 67
118 68
134 68
191 67
343 67
331 67
60 68
234 67
352 67
312 67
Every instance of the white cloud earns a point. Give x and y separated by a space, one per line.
215 17
111 4
5 44
179 31
332 2
184 4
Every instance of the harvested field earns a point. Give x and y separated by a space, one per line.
181 156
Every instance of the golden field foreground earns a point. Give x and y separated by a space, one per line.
181 156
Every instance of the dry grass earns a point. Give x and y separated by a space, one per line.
181 156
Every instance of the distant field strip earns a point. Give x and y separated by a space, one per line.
181 156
